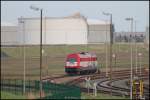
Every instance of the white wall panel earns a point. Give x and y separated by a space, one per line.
98 37
9 35
55 31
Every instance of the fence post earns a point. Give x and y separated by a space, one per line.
15 86
9 83
22 86
34 86
1 84
29 86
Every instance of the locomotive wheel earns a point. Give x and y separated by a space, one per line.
88 72
82 73
85 72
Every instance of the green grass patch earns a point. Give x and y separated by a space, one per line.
54 58
8 95
62 50
100 96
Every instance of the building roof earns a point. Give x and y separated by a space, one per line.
95 22
74 15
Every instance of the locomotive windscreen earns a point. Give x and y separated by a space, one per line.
71 60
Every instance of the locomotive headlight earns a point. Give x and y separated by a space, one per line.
75 63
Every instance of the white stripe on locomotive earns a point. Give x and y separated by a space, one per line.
88 63
71 64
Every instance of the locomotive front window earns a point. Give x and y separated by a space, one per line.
72 60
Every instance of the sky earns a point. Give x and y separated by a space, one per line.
139 10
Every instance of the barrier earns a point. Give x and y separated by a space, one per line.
51 90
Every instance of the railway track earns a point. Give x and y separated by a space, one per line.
104 86
101 75
93 76
117 75
107 86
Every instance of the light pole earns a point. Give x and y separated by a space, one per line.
131 19
106 53
114 56
41 10
45 46
140 54
24 55
135 48
111 42
106 47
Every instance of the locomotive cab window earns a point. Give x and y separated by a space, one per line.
72 60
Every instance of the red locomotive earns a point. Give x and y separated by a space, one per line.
81 63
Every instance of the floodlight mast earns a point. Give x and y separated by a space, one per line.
131 74
41 13
111 42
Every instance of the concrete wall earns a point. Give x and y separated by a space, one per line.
9 35
99 33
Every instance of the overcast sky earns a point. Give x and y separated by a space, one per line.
139 10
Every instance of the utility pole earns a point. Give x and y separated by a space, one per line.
41 13
106 63
41 55
111 42
24 56
106 53
131 79
140 60
135 49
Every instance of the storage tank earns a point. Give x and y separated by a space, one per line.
61 30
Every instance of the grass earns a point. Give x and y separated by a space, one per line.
61 50
54 58
7 95
100 96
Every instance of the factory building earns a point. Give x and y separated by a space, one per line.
70 30
126 36
9 34
98 31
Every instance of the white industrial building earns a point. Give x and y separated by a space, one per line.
98 31
63 30
9 34
70 30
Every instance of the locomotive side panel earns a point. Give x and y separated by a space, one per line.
88 63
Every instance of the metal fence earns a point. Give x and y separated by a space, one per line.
51 90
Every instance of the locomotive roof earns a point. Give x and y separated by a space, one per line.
82 54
